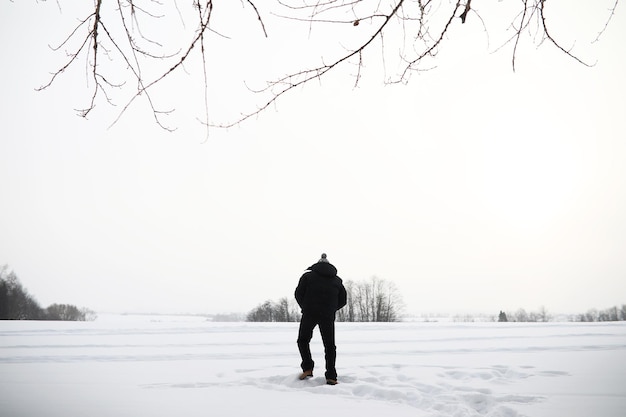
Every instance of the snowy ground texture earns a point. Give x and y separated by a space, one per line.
156 366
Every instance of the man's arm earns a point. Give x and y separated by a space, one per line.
343 296
301 290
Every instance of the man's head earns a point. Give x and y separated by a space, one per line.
323 258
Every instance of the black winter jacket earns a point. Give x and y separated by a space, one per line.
320 291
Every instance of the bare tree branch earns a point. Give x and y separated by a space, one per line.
552 40
463 15
606 25
291 81
258 17
114 41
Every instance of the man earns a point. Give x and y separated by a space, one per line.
320 293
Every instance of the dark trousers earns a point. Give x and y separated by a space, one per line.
327 330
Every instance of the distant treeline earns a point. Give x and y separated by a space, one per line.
592 315
17 304
283 310
609 314
522 316
373 300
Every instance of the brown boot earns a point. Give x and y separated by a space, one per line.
306 374
331 381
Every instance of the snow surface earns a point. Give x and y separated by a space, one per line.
170 366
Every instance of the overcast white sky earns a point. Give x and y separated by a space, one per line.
473 188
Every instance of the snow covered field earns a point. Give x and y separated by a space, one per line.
170 366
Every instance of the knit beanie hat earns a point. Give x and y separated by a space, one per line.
323 258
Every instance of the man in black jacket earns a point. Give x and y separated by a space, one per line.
320 293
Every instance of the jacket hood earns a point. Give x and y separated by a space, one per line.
325 269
